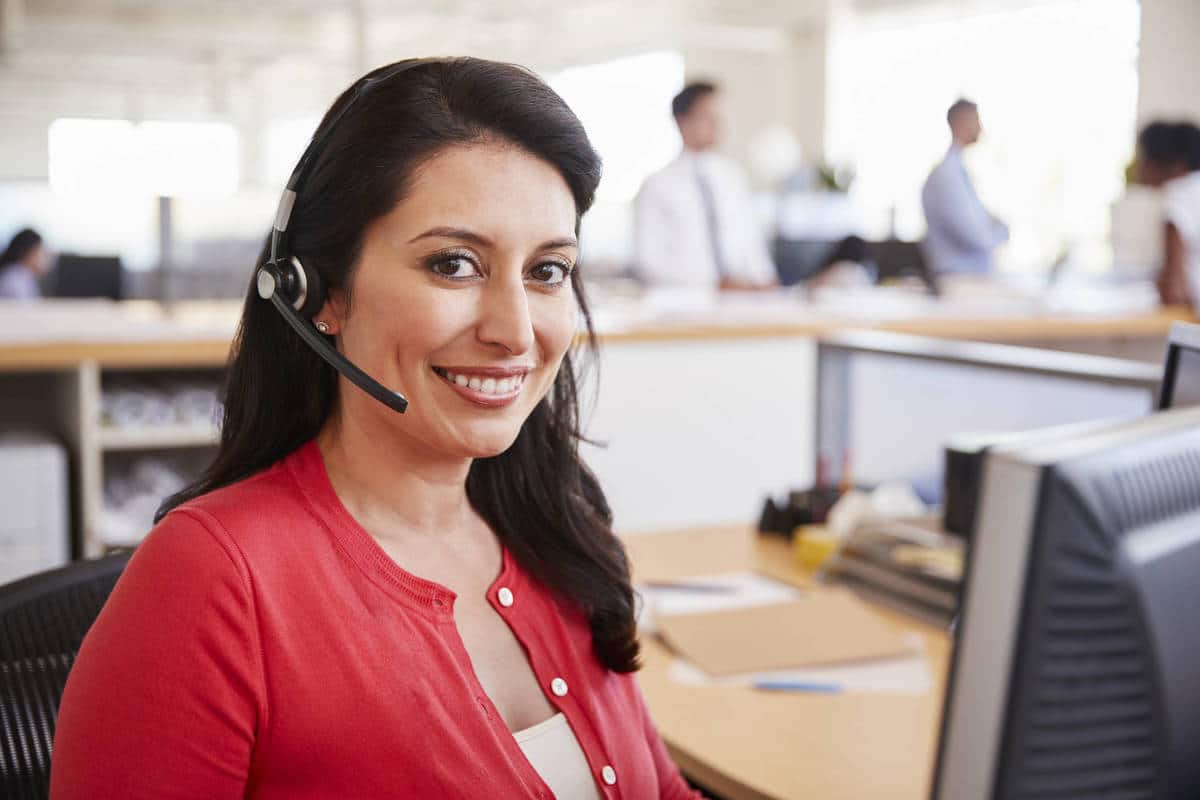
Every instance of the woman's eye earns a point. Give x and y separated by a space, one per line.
456 267
549 273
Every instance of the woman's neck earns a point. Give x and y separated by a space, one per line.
395 490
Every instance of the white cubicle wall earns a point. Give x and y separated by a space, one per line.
699 432
892 401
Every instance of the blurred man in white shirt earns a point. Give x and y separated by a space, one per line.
695 224
961 235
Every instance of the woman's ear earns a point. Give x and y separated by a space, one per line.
331 318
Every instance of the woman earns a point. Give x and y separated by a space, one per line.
1169 158
357 603
22 263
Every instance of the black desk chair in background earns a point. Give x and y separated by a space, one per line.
43 619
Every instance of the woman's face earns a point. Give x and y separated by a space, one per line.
36 259
461 300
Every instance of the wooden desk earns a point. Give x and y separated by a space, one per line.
742 743
141 334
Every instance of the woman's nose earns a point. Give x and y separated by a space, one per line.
505 319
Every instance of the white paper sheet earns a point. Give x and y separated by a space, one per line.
724 592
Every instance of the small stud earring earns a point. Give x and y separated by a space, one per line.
323 327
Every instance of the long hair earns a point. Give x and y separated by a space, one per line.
20 246
539 497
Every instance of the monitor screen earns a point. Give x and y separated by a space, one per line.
1185 391
87 276
1074 669
1181 373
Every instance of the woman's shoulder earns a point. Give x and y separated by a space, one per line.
241 513
1185 188
1181 203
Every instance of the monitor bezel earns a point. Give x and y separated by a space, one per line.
1183 335
1012 489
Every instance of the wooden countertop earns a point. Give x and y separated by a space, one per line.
146 335
742 743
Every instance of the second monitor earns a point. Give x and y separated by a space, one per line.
1074 671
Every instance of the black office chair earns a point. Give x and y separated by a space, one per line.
43 619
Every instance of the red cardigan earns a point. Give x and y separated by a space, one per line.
260 644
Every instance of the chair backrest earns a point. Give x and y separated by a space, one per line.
43 619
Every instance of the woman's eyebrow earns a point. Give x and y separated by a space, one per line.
465 235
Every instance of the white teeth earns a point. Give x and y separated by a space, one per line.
487 385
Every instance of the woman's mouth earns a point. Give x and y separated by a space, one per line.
486 387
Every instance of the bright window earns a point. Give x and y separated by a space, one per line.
625 107
1056 84
168 159
282 145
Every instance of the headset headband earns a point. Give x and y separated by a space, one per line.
311 153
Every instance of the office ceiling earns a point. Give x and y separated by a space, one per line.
148 43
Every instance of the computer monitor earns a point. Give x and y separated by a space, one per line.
1181 372
1076 669
87 276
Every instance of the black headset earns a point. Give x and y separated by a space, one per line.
296 290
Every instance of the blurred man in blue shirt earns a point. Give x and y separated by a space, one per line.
962 234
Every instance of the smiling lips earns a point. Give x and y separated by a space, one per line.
491 387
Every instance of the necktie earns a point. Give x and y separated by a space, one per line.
711 222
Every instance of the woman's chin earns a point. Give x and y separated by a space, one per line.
490 443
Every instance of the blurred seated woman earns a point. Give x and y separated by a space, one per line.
21 265
357 603
1168 157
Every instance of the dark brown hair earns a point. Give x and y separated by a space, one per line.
682 103
539 497
20 246
1169 144
959 106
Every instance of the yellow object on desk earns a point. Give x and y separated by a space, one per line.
812 545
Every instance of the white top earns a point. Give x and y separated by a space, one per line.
1181 206
671 233
554 752
18 283
961 233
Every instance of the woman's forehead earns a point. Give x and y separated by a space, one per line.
492 184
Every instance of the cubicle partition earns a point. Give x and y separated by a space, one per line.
887 402
697 418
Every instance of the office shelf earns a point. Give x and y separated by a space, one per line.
158 437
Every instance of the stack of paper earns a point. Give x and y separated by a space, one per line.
744 629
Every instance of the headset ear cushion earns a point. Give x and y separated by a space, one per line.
314 294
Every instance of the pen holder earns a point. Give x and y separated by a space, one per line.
806 507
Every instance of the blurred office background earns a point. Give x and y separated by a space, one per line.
161 132
148 141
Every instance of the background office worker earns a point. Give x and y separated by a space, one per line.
23 262
694 219
1168 157
357 603
961 235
